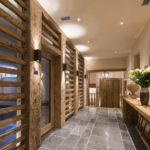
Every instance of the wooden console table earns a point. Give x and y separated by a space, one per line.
135 113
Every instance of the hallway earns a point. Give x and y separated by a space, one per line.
94 129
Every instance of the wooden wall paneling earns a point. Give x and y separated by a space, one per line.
76 83
83 104
59 86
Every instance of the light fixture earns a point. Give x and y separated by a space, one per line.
121 23
115 52
37 55
93 53
36 70
78 19
64 67
88 41
42 75
78 73
105 74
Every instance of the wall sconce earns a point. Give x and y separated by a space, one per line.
37 55
85 76
105 75
42 75
78 73
64 67
36 70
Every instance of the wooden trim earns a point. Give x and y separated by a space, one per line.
21 3
12 47
4 97
13 143
70 49
69 95
50 30
69 105
46 55
11 120
46 129
51 49
12 20
68 90
68 115
11 132
70 75
69 59
70 69
12 59
70 55
69 100
69 64
14 9
21 147
12 33
70 85
50 38
11 109
11 84
92 85
71 80
11 71
69 109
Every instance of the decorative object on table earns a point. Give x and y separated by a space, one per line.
142 78
132 87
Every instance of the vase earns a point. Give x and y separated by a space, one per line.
144 96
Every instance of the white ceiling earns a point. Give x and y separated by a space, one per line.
100 24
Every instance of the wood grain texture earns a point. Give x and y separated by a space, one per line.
11 84
12 71
21 147
12 20
11 132
21 3
4 97
14 9
12 47
12 33
12 59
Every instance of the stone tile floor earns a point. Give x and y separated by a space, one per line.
94 129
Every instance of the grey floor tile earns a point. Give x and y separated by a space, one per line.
70 125
63 132
97 143
115 143
81 144
114 132
71 140
112 120
123 127
113 125
99 119
65 148
87 118
86 134
43 148
53 142
101 125
128 145
125 135
100 132
78 130
90 126
74 120
83 123
92 120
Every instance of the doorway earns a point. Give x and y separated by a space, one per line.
45 93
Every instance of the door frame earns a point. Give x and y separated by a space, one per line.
49 126
87 79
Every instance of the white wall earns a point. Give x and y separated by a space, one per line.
111 63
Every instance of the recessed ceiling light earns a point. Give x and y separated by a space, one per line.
88 41
115 52
78 19
121 23
93 53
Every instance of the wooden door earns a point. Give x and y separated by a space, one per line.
110 90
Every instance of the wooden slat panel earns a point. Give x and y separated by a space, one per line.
13 143
70 85
50 38
70 55
4 97
12 20
69 59
70 69
71 80
12 59
66 111
69 100
21 147
21 3
69 64
12 33
11 84
12 47
70 49
67 90
11 132
69 95
69 105
71 75
11 71
11 109
14 9
67 116
50 30
11 120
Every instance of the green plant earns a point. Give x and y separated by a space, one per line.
141 76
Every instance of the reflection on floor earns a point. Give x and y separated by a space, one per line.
94 129
9 139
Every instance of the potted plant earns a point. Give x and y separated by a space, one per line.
142 78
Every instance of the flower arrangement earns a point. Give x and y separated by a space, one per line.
141 76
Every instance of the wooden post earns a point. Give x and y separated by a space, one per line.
76 83
59 86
